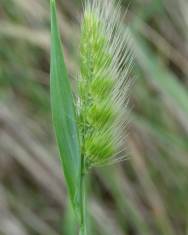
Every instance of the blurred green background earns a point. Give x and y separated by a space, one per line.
145 195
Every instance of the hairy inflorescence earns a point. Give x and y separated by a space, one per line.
105 61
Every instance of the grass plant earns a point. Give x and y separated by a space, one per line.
90 130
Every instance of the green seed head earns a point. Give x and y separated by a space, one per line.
104 63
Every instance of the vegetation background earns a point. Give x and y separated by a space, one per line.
145 195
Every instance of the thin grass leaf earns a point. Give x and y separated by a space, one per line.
163 78
63 113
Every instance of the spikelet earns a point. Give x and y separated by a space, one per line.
105 61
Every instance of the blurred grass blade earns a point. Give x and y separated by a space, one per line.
63 113
163 78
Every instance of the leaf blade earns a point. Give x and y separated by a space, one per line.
63 113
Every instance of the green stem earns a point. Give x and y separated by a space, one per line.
83 207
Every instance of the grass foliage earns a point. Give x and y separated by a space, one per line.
63 113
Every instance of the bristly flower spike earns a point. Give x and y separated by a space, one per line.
105 64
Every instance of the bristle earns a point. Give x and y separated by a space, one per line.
105 60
